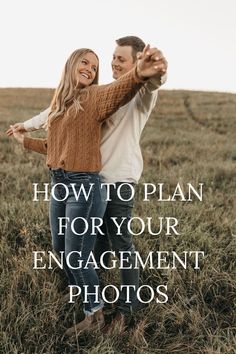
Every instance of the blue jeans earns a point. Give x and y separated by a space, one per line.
119 208
64 204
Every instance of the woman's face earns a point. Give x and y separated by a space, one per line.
87 69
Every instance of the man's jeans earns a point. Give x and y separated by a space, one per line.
69 241
118 208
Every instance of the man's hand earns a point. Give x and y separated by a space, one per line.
17 135
18 127
151 62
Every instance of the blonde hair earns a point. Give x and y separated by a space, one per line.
66 97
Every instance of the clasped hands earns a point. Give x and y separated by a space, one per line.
151 62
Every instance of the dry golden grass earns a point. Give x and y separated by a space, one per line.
189 138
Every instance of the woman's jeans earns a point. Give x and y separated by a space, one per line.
66 204
120 243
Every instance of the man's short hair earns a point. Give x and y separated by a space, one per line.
135 42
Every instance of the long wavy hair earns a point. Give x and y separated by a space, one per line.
67 95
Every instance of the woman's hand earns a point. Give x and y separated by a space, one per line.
151 62
18 127
17 134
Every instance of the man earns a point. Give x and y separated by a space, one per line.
121 160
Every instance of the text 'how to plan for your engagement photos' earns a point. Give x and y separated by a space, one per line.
156 260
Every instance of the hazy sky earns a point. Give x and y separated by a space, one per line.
198 37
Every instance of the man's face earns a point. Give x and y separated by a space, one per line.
122 61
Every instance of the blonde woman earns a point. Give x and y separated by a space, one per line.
78 109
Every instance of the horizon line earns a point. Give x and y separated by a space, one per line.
163 89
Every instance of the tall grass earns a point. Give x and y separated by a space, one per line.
190 138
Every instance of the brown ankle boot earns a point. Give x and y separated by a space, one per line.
118 324
98 319
92 322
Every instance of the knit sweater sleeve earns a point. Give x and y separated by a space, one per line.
37 145
111 97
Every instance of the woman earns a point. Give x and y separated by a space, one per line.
78 109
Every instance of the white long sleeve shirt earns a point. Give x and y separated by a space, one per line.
122 159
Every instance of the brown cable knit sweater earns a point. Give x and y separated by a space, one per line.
73 142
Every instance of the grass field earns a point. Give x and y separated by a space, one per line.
190 138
